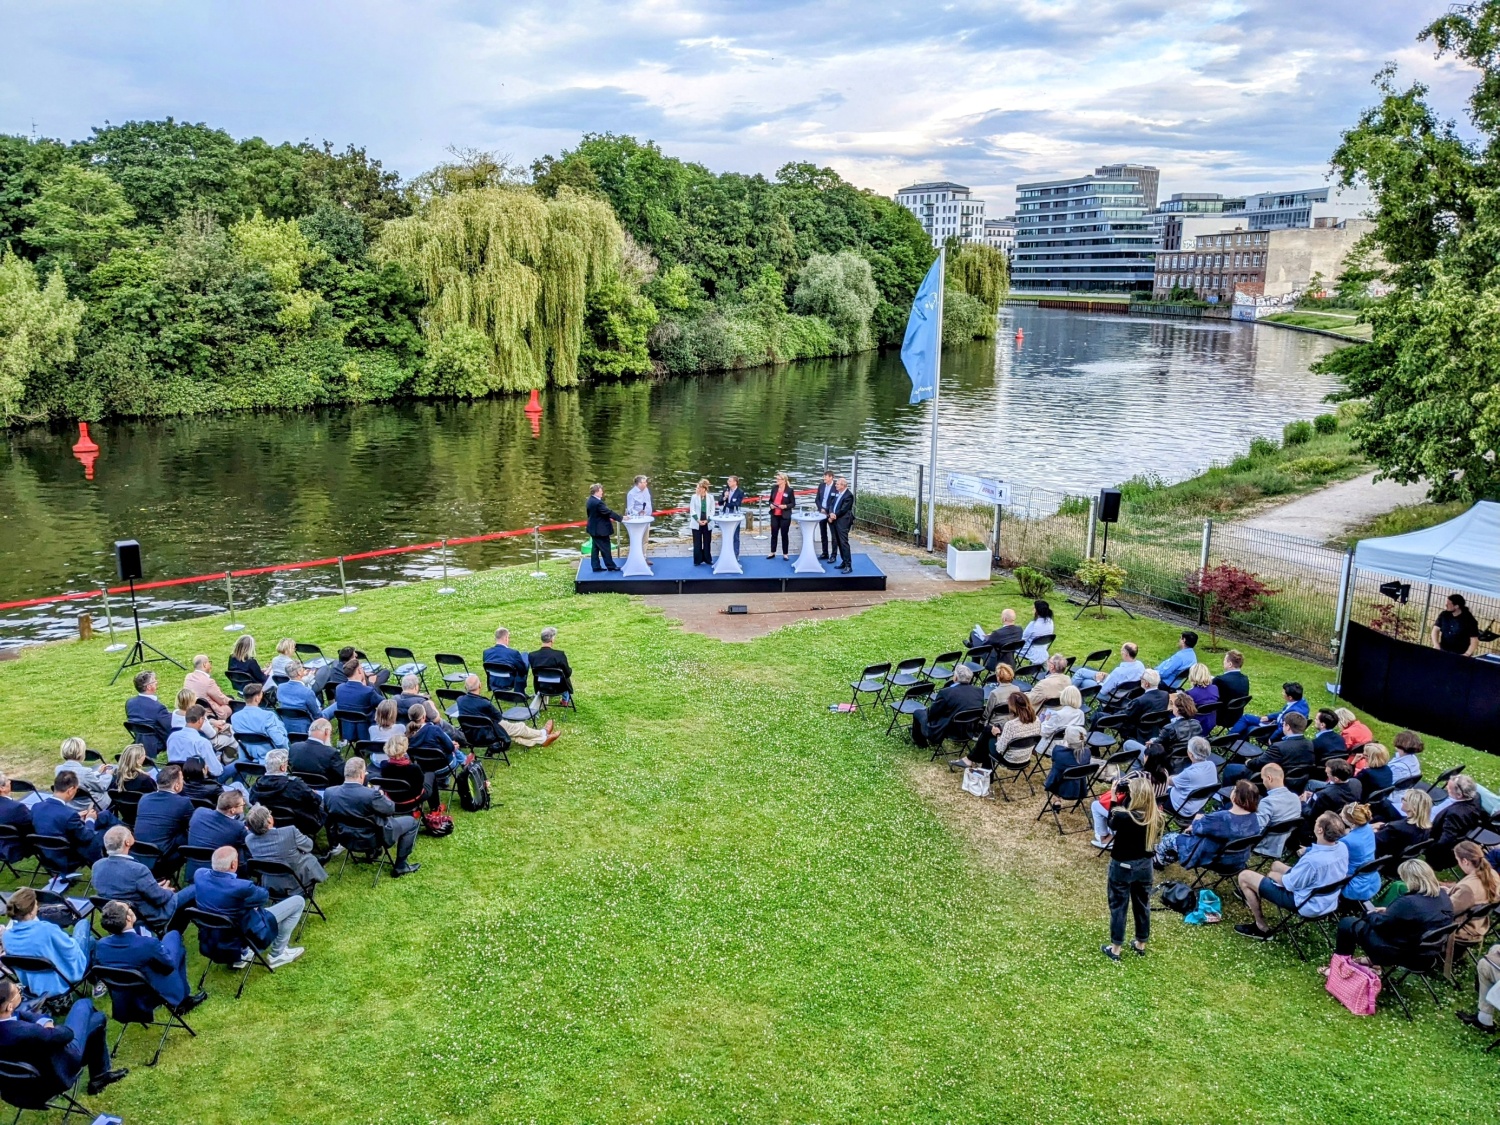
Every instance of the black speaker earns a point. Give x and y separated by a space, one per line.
739 609
1109 505
128 559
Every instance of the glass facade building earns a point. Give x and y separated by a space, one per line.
1088 233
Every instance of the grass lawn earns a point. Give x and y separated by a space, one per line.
1344 324
713 900
1408 517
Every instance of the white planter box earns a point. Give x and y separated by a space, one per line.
968 566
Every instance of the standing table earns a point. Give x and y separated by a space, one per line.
728 523
807 559
635 561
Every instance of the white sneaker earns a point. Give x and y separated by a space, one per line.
287 956
246 956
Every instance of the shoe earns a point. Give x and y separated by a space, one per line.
287 956
1110 953
547 727
1251 930
191 1002
100 992
246 956
957 764
596 569
846 570
822 558
551 738
405 869
337 849
615 569
1140 950
1102 845
108 1078
1472 1019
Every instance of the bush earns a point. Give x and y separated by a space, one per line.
966 543
1297 433
1034 584
1317 466
1107 578
1262 447
1073 506
1326 423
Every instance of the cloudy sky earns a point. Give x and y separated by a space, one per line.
1221 94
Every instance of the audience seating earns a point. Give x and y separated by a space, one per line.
549 686
453 669
404 662
226 949
258 870
962 731
21 1085
871 682
499 677
940 671
311 656
1024 770
912 700
485 737
364 842
132 999
1085 777
904 675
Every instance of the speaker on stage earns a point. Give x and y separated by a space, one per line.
128 559
1109 505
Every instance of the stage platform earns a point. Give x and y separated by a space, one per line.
676 574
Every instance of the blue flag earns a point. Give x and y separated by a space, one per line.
919 351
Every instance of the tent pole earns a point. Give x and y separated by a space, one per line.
1426 613
1341 615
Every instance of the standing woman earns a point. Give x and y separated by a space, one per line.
1040 626
700 508
783 500
1136 830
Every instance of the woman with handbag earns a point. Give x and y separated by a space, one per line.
1393 934
783 500
700 509
1135 829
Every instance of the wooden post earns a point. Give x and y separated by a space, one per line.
85 627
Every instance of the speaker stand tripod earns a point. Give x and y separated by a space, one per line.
1096 595
137 653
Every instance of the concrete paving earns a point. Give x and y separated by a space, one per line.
1324 515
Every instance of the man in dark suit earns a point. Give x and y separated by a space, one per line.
56 816
930 724
732 499
501 656
58 1053
163 963
217 828
1232 684
355 694
841 519
17 815
119 876
356 799
1005 640
1292 751
290 795
161 818
601 528
1154 698
821 501
317 754
148 711
1328 743
261 922
552 659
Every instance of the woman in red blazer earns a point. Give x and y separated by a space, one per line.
783 500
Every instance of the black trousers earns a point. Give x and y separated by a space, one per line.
1129 885
601 548
702 544
823 538
841 540
781 525
1351 935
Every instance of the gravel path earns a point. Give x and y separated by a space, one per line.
1324 514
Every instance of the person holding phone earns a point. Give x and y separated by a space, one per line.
1135 828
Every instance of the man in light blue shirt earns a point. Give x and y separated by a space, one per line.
1198 773
1174 667
188 741
1128 671
1291 693
252 718
1323 865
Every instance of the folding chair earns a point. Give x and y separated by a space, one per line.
311 656
1085 777
239 681
1427 961
364 842
1293 922
261 870
123 803
447 701
404 662
349 724
515 707
1149 725
1176 812
1105 733
871 682
1025 677
1209 711
12 837
1228 863
485 736
940 671
1022 770
1120 762
498 677
977 659
904 675
221 941
1440 782
1281 830
912 700
195 854
261 742
144 735
295 720
1090 697
962 729
132 999
400 792
435 762
21 1085
390 689
1101 655
311 777
453 669
549 686
1231 711
53 855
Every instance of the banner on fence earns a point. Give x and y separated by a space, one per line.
979 488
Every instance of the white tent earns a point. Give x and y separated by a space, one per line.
1462 554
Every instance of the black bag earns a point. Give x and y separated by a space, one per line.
1178 896
473 787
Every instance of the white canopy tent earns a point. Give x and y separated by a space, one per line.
1462 554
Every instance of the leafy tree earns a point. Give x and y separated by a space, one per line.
38 329
839 288
469 170
78 219
169 167
351 181
335 232
1428 370
24 166
980 271
1226 590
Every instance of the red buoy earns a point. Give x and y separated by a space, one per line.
534 404
1020 335
86 450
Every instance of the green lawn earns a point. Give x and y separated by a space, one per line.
713 900
1344 324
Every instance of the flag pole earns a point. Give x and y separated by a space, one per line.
937 379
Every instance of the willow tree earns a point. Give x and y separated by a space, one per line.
507 276
981 272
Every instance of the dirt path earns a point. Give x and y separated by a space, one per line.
1323 515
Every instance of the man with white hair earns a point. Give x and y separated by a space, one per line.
118 876
262 922
929 725
316 753
1048 690
413 696
202 683
474 704
552 659
354 801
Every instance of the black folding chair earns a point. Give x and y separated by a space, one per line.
1228 863
1281 830
231 943
195 853
146 736
1178 818
134 1000
515 707
390 689
499 677
871 682
940 671
453 669
1440 783
22 1086
904 675
977 659
550 685
1149 725
1085 777
239 681
1105 733
1022 770
54 855
912 700
1231 711
1425 965
1025 676
962 729
1101 655
1293 922
311 656
349 724
12 837
295 720
364 842
272 873
485 736
404 662
123 803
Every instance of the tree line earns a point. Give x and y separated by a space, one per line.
162 267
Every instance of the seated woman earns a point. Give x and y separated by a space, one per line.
1354 732
93 784
1172 740
29 936
999 689
399 766
1393 935
286 656
1022 724
1056 721
1376 774
1040 625
1118 793
1359 842
1406 766
1204 693
1394 837
1071 751
242 661
422 735
220 734
384 728
1479 887
134 775
1210 838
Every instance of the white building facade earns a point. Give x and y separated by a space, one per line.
1000 234
945 210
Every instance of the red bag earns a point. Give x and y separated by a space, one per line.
437 822
1353 985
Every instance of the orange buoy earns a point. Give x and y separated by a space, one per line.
86 450
534 404
1020 335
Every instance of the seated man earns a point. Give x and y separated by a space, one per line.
356 799
17 815
1210 838
189 741
1199 773
1279 806
929 725
252 718
1154 698
1327 741
1311 887
291 794
147 711
56 816
1293 704
283 845
118 876
1331 795
1048 690
201 683
1171 670
58 1053
1292 751
261 922
1128 671
474 702
161 818
549 658
1008 637
218 827
512 660
1233 684
355 695
296 705
164 962
412 696
317 754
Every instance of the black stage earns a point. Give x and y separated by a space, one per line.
676 574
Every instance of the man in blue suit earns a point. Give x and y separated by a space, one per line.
56 816
601 528
296 703
58 1053
732 499
217 827
119 876
163 962
149 711
260 921
161 818
17 815
512 660
820 502
355 694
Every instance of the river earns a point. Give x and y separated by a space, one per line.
1083 401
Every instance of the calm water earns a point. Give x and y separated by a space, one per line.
1084 401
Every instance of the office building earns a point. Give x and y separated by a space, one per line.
1285 210
1268 265
1087 233
1001 234
1177 221
945 210
1148 177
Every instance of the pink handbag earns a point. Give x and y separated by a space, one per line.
1353 985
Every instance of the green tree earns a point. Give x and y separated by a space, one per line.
353 182
38 329
169 167
1428 371
980 271
25 165
78 219
839 288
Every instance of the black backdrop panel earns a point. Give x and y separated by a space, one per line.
1412 685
